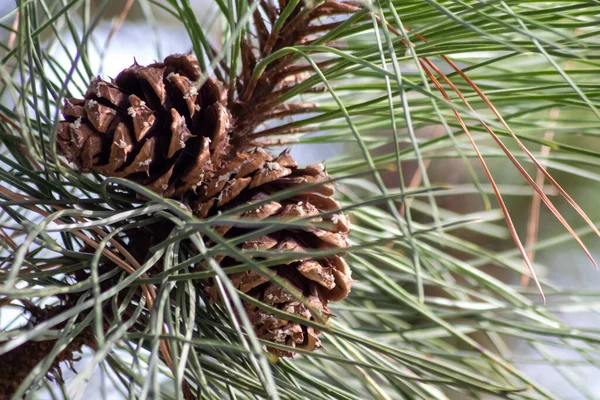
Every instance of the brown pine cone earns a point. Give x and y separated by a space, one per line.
153 126
139 126
320 281
16 364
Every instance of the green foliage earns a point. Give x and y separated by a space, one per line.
424 320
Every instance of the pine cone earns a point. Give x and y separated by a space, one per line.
139 126
153 126
17 364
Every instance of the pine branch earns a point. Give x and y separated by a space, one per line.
144 251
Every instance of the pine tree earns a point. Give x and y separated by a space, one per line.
155 216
